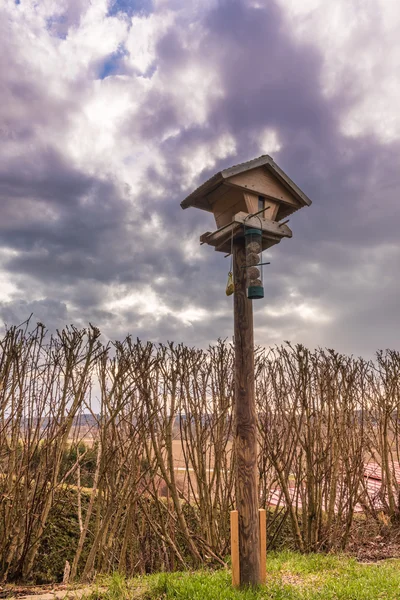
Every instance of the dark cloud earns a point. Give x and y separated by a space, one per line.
51 312
77 234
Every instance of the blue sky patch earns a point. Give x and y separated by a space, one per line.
58 26
130 7
111 63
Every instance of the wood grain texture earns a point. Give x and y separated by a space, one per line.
252 205
235 548
267 226
246 426
264 164
225 202
251 201
263 545
263 182
221 239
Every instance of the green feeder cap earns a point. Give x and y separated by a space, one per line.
255 292
253 232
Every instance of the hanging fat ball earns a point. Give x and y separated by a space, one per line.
253 259
253 273
254 246
230 286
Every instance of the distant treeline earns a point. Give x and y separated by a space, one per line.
119 498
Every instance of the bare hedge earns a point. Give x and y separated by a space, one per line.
136 440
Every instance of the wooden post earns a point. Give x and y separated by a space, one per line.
246 426
263 545
235 548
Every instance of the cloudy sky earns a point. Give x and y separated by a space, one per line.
112 111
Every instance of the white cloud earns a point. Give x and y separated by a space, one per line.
148 303
269 141
143 36
95 139
205 157
104 128
8 288
144 302
359 44
192 314
305 310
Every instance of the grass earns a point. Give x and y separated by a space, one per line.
290 577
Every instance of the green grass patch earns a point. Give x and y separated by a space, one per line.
291 576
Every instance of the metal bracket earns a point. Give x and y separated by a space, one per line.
258 265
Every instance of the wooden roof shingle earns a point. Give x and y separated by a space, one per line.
198 198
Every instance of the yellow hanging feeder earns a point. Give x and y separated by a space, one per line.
230 286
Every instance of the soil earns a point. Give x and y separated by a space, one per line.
43 592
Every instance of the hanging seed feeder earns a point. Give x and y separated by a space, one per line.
254 271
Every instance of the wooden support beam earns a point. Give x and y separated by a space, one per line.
267 226
263 545
245 442
272 232
235 548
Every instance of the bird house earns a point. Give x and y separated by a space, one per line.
257 187
249 202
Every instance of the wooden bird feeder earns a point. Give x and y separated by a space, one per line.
249 202
257 187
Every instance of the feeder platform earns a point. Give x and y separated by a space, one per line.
221 239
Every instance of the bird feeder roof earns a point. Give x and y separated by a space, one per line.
199 198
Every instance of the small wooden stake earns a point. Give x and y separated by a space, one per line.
235 548
263 545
